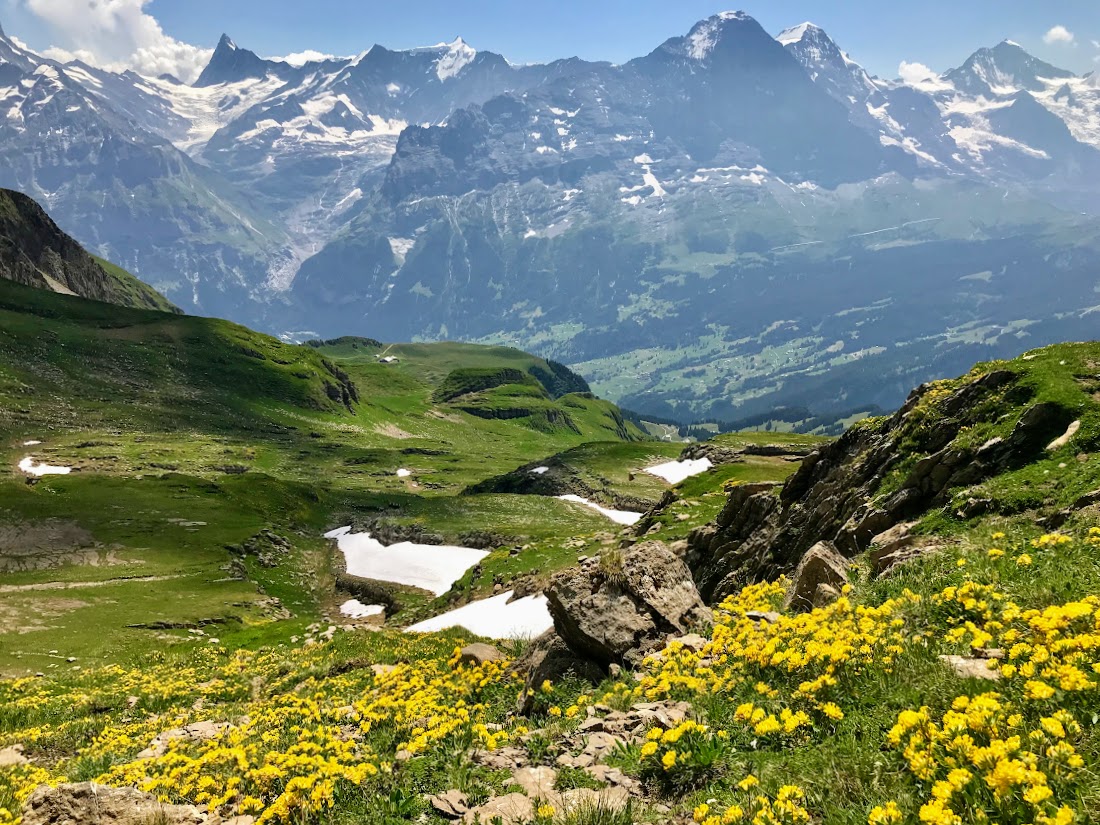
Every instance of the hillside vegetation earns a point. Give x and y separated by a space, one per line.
150 645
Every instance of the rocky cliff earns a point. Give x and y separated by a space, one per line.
1008 437
35 252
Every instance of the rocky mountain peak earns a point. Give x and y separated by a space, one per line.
721 32
230 63
1006 67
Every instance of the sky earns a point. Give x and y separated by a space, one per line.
156 36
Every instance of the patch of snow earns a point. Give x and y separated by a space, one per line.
539 471
795 34
299 59
429 567
755 178
640 159
28 466
31 443
457 58
569 194
495 618
393 88
617 516
357 610
403 473
621 138
676 471
349 199
400 248
339 531
545 150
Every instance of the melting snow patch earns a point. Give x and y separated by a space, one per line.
357 610
495 618
676 471
539 471
28 466
617 516
31 443
339 531
403 473
429 567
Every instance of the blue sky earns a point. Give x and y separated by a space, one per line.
879 34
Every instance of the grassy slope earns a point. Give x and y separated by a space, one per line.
191 435
135 292
80 725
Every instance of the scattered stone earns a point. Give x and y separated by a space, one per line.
453 804
1065 438
607 799
90 804
971 668
770 616
693 642
513 809
502 759
478 654
822 564
12 756
897 546
197 732
537 783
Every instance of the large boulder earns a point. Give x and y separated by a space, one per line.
821 574
617 608
89 804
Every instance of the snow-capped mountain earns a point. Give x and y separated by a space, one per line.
605 214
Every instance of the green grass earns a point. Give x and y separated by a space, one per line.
172 420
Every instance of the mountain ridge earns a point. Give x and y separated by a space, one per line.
35 252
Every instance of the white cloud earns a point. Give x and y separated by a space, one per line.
921 77
302 58
116 35
1058 34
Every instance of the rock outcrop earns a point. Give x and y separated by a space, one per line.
611 611
616 608
89 804
35 252
818 579
879 474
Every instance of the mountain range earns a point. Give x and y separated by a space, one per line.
731 223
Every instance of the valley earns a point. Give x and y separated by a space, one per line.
626 220
710 437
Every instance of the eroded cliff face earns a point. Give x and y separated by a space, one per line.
35 252
879 474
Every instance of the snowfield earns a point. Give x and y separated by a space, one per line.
676 471
355 609
28 466
426 566
618 516
495 618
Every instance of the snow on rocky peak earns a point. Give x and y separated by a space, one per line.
457 57
795 34
704 37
